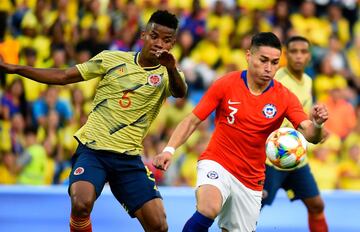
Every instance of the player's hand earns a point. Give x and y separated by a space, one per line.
162 161
166 58
319 114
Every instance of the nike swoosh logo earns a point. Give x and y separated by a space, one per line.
233 103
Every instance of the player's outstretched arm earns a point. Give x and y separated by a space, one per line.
313 129
44 75
177 85
181 133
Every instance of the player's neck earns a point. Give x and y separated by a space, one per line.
255 88
143 61
296 74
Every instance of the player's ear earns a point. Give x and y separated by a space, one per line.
143 35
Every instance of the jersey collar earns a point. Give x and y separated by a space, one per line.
244 78
136 61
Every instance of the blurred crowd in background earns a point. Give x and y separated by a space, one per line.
37 121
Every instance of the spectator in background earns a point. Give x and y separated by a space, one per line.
305 23
353 58
340 26
326 79
349 169
31 164
51 101
339 109
195 22
323 160
281 18
33 89
13 100
9 47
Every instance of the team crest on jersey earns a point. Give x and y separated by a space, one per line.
212 175
269 111
154 79
79 171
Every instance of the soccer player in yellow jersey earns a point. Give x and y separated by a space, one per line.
299 181
132 88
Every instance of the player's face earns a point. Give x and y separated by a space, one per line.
156 38
298 55
263 63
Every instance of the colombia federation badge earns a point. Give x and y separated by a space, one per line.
154 79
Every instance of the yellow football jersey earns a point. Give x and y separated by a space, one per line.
127 100
301 88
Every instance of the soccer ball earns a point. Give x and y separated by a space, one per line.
286 148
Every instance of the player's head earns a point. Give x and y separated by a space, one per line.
263 57
160 32
297 53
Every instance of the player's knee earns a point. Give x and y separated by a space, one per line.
159 225
81 206
209 210
316 207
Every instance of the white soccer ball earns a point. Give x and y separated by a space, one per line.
286 148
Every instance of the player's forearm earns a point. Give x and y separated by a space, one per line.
47 76
313 134
178 87
183 131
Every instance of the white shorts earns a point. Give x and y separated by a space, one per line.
240 205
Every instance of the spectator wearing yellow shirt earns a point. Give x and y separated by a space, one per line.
220 17
31 37
327 79
31 165
94 17
349 169
323 162
353 58
306 24
252 22
7 175
339 25
32 88
208 51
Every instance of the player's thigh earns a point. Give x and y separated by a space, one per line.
212 187
152 215
274 180
133 184
241 210
88 175
301 184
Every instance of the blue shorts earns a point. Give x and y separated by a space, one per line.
130 180
300 182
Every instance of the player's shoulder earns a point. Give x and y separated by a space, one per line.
111 53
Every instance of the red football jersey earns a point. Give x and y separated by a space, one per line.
243 122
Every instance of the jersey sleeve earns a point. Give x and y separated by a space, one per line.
295 112
93 68
210 100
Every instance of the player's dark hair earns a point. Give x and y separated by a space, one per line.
267 39
295 39
164 18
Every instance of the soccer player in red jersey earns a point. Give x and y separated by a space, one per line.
249 105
